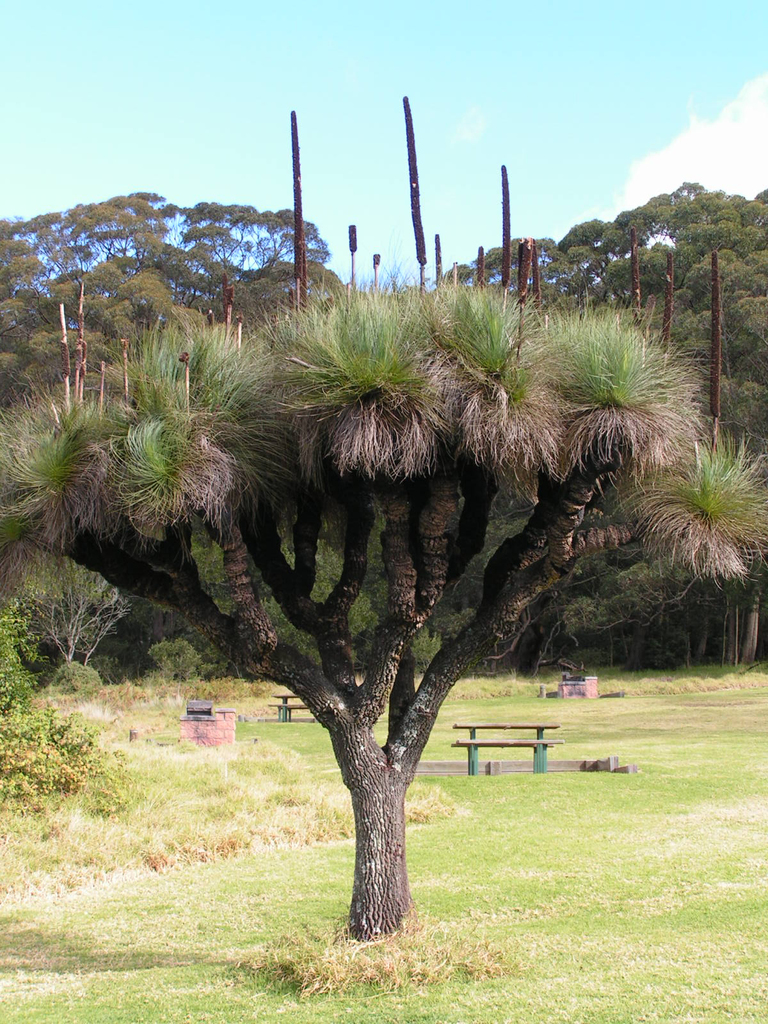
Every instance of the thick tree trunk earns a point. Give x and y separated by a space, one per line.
404 687
700 649
381 895
635 659
749 634
731 638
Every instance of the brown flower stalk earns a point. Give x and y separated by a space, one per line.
239 331
228 292
506 232
125 369
101 386
716 350
413 176
65 367
455 275
83 344
525 259
438 262
184 358
352 250
299 238
635 263
669 299
210 317
376 265
481 267
536 275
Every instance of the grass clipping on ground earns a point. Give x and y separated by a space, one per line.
421 954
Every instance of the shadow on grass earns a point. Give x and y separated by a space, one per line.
30 947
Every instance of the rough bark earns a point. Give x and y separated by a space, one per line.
381 895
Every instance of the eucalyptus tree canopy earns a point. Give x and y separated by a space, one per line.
400 414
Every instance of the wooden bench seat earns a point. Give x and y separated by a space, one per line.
539 745
285 710
506 743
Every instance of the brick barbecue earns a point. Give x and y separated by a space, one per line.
206 727
577 686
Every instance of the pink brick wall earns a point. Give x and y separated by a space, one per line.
583 688
210 732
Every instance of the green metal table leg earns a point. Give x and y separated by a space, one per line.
540 759
472 760
288 710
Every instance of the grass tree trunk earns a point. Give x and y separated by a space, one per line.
381 894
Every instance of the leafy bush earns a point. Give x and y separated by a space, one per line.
45 753
176 658
15 680
77 678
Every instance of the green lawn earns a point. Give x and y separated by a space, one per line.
610 899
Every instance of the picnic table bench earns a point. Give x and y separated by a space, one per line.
285 708
539 745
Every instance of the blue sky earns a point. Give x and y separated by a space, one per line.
590 107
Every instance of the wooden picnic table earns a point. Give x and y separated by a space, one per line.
284 708
539 745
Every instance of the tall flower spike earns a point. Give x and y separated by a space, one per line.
506 232
352 250
228 291
525 258
125 369
65 367
536 275
299 238
81 339
716 350
376 265
413 174
669 299
481 267
438 262
635 264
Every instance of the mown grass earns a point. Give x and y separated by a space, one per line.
593 898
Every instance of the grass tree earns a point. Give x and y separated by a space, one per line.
397 415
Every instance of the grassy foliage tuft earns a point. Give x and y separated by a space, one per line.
498 396
322 962
622 392
713 514
364 382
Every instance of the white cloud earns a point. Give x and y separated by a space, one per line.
471 126
729 153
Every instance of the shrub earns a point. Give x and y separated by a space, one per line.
15 680
73 677
176 658
45 753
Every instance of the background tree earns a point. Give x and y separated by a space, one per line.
74 610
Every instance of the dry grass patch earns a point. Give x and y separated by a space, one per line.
424 953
